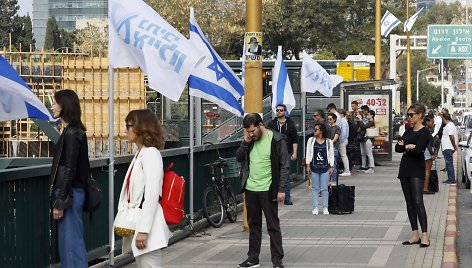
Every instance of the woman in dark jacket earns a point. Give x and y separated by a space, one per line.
69 173
412 172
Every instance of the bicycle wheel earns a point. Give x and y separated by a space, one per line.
213 207
231 205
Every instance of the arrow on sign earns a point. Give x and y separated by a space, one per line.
436 50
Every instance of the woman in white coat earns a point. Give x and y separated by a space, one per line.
142 188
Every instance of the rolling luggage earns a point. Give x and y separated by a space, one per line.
341 199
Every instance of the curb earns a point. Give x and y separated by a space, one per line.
450 250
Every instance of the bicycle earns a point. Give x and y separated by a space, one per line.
218 198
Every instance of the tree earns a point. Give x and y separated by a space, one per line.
26 37
92 40
8 15
53 37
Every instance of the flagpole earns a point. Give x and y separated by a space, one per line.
378 48
191 142
111 163
304 128
408 60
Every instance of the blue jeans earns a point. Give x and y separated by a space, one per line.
70 228
288 182
334 177
320 180
449 165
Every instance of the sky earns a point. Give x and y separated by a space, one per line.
26 6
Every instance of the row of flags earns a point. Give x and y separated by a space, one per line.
140 37
389 22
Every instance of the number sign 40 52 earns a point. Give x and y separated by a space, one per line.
376 102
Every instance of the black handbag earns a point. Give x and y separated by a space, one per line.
93 194
360 137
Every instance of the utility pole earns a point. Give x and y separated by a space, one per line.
378 48
253 67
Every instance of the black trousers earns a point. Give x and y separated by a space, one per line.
256 203
413 192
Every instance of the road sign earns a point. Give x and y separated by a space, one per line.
449 41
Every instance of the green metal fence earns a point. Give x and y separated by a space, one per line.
25 236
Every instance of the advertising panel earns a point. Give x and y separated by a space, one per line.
380 102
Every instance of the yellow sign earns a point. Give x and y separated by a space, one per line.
362 73
253 46
345 69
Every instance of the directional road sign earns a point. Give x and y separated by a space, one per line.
449 41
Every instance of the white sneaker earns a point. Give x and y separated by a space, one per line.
325 211
370 171
345 174
315 211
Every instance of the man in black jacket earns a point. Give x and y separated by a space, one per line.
264 168
284 125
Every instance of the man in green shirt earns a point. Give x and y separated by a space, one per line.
264 170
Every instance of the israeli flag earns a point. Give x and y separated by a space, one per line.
17 100
140 37
316 78
282 92
213 79
388 22
410 21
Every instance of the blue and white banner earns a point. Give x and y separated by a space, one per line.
410 21
315 78
388 23
139 37
213 79
17 101
282 92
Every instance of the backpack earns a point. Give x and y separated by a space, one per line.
172 199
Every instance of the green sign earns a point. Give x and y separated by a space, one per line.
449 41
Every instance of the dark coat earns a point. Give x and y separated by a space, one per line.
279 164
70 165
288 129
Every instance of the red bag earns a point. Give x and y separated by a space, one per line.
173 191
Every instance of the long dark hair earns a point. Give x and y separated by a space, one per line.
70 107
147 127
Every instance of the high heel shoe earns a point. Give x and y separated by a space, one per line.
407 242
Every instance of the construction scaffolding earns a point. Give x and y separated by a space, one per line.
46 73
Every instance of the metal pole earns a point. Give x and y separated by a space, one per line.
467 102
378 48
442 82
417 84
191 143
393 69
408 60
111 165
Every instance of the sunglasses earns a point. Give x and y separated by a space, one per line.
279 110
316 129
128 127
315 115
411 114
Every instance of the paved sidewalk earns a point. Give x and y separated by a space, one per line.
370 237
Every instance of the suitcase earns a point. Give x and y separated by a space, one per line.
434 180
341 199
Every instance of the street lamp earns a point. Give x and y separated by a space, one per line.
418 80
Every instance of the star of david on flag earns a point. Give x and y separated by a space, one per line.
212 79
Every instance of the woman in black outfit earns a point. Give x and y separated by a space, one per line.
412 172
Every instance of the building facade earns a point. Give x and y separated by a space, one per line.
67 13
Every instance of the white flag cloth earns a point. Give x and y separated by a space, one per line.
282 92
388 23
17 101
315 78
212 79
410 21
139 37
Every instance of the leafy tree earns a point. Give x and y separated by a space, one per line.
8 15
26 37
222 21
53 36
92 40
68 39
